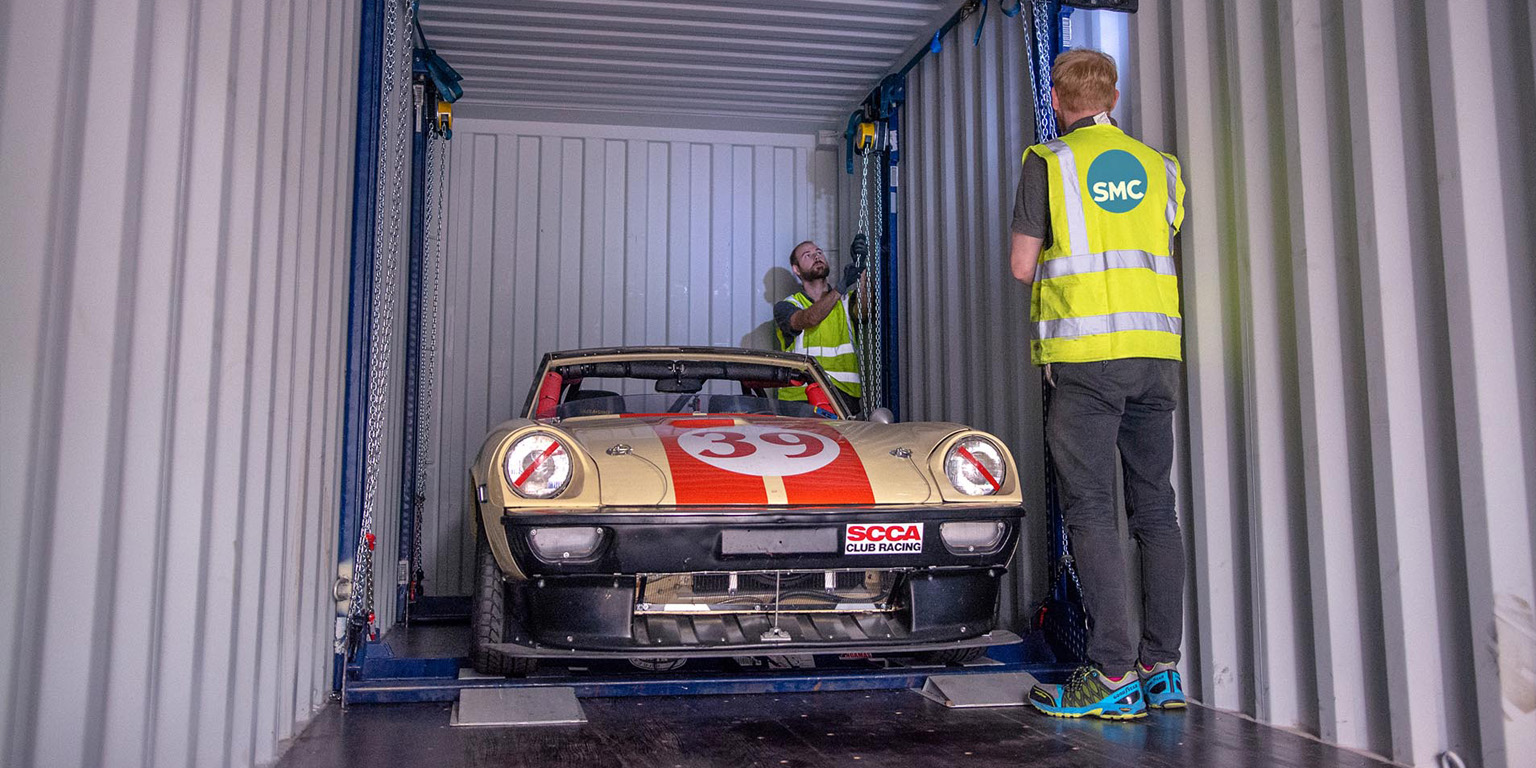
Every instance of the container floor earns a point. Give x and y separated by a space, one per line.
855 728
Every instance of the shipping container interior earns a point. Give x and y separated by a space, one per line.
257 321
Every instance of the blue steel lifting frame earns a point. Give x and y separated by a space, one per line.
410 495
1068 627
365 185
380 677
883 106
889 327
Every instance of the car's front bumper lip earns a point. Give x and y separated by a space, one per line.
942 599
986 640
641 540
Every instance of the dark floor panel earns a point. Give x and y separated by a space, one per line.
875 728
446 640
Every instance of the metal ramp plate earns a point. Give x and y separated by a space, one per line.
987 689
517 706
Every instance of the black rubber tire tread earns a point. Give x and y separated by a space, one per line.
488 617
955 655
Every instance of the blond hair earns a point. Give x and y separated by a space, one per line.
1084 80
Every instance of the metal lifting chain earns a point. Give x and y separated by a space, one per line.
395 116
862 343
437 179
875 396
1045 117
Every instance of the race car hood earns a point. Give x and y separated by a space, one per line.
757 461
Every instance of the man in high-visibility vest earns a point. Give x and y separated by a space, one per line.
815 320
1093 224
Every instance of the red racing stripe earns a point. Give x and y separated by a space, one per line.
694 482
844 481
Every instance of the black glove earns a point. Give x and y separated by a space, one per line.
855 268
851 274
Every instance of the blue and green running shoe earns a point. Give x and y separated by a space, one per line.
1162 685
1091 692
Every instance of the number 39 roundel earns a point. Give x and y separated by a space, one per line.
757 449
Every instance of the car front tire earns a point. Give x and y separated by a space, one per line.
489 618
954 655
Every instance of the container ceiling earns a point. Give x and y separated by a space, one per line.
772 65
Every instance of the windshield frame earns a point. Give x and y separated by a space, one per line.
658 404
800 365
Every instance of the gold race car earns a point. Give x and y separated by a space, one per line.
660 503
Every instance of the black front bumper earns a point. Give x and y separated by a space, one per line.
939 598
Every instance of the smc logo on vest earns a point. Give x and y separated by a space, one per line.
883 539
1117 181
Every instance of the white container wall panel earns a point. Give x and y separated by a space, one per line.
964 343
1358 293
565 236
177 182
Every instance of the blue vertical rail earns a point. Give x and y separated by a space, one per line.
1062 617
410 504
1053 497
365 187
890 327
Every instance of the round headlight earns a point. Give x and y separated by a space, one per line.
538 466
975 467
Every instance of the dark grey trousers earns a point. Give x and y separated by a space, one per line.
1097 408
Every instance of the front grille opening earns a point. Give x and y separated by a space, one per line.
711 583
754 592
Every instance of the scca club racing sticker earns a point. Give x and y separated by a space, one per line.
883 539
757 449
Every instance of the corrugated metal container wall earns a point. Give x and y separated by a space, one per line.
964 343
562 236
1359 294
176 225
1359 297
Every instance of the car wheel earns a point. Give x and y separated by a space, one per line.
488 619
953 655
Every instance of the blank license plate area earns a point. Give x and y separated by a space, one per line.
779 541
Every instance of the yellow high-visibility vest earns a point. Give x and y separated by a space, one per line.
1105 289
831 343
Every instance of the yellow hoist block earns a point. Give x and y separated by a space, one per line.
864 140
444 118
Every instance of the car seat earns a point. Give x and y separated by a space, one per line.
575 407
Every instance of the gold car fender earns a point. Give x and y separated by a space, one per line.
494 497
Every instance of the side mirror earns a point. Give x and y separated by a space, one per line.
882 416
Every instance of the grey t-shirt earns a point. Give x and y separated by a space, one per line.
781 314
1032 203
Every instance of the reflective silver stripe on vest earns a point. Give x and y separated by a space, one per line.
1068 327
1087 263
850 377
1077 224
1173 189
841 349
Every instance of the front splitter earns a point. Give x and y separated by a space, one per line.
994 638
